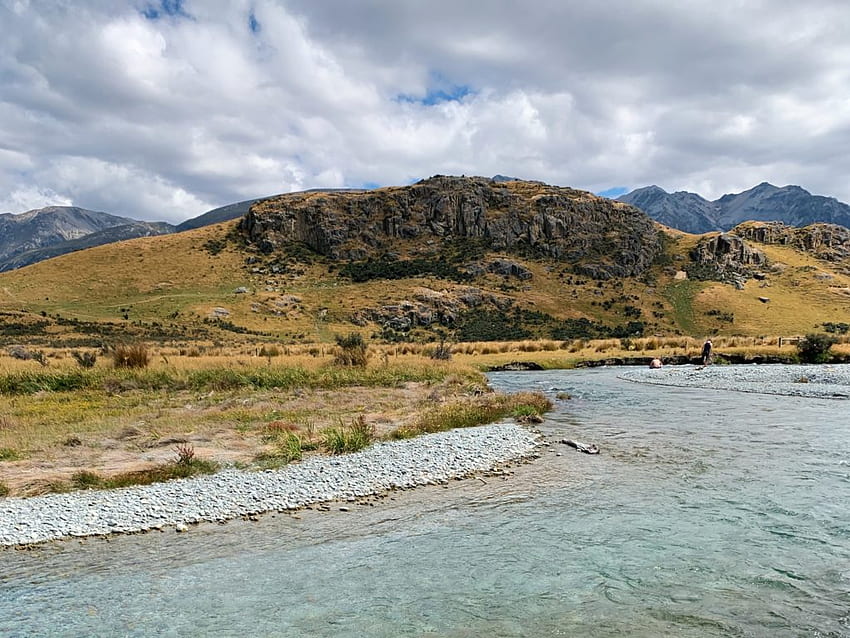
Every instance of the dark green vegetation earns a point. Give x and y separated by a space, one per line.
814 348
360 271
184 466
519 323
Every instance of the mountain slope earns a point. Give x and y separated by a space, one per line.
689 212
682 210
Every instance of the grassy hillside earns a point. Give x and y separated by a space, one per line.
169 287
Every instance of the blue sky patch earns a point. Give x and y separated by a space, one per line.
437 96
253 23
165 8
440 90
613 193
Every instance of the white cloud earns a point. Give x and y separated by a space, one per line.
165 118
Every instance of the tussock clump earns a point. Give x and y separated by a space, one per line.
351 350
85 359
134 355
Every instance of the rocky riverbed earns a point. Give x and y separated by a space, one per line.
233 493
816 381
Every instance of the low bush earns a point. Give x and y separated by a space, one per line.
4 489
442 352
814 348
8 454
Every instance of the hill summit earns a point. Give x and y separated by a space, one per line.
604 238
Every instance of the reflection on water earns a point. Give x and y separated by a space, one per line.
707 514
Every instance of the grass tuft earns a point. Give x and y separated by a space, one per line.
348 438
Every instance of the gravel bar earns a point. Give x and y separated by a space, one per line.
234 493
815 381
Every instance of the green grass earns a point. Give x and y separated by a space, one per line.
465 414
8 454
681 296
176 469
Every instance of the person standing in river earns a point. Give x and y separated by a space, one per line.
706 352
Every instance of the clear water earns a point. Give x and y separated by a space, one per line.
708 513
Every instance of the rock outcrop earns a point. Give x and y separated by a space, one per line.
727 258
727 251
825 241
429 307
603 238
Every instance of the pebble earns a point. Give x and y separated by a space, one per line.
425 460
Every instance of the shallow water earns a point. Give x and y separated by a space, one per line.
708 513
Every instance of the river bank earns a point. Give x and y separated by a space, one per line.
813 381
230 494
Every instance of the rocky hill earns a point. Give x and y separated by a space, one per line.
602 238
691 213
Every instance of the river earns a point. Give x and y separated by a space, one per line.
707 513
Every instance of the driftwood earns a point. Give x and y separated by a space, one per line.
587 448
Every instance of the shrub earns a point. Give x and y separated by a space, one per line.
85 359
4 490
134 355
814 348
185 454
351 350
269 351
290 447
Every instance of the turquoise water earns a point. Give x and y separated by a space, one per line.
707 513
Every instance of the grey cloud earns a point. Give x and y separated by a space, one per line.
164 118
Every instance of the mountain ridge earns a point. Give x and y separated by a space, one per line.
690 212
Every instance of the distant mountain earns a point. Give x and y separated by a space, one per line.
107 236
44 227
691 213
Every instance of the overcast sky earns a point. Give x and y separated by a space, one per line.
165 109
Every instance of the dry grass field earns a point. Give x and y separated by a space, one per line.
241 349
203 285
